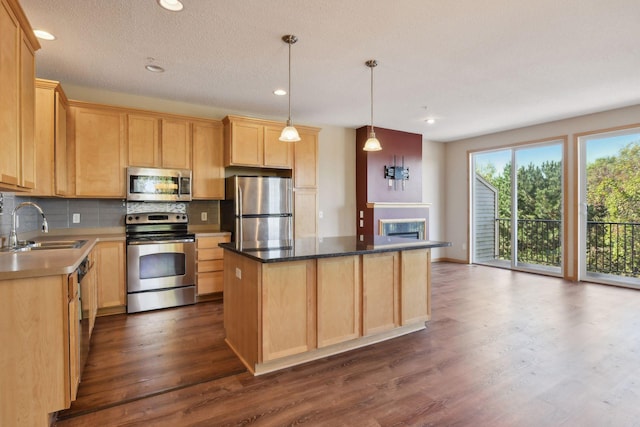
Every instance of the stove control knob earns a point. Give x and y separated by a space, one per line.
137 217
184 217
130 218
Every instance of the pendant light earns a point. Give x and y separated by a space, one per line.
289 133
372 144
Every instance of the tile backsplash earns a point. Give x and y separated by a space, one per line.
93 213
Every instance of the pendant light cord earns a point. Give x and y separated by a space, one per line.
372 97
289 121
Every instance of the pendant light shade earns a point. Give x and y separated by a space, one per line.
372 144
289 133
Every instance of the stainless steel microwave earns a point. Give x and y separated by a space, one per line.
158 185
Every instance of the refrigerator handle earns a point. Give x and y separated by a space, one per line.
239 237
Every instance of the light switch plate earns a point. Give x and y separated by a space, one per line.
238 273
76 218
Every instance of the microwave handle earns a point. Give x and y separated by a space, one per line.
179 184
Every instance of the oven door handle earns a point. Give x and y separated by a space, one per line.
156 242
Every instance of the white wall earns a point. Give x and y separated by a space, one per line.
433 178
337 187
456 170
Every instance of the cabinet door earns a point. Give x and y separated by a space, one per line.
62 162
208 165
9 96
27 114
110 271
99 152
245 144
379 292
305 204
338 299
45 138
74 337
176 144
415 286
277 154
288 308
305 164
143 141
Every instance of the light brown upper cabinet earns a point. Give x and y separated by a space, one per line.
254 143
277 154
96 136
306 159
143 140
51 139
208 169
17 98
156 141
175 144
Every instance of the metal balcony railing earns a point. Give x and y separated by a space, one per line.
539 241
612 247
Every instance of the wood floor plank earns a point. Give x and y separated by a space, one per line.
503 348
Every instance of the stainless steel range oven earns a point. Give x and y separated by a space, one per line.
160 261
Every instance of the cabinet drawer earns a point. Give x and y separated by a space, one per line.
210 242
204 254
210 282
210 265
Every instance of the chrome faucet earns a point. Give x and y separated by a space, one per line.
13 237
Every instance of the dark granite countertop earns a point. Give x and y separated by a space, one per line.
329 247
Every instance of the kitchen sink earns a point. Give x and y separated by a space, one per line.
31 245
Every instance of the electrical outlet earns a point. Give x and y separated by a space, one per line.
238 273
320 214
76 218
203 216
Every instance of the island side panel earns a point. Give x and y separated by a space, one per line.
415 286
339 300
380 289
242 283
288 308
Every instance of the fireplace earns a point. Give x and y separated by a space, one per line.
415 228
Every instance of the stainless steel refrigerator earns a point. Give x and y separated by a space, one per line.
258 211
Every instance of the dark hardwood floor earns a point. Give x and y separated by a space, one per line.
502 349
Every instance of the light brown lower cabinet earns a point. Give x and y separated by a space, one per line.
339 298
110 273
209 271
38 356
380 278
280 314
288 309
74 331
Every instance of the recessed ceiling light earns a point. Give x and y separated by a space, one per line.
154 68
44 35
430 120
172 5
280 92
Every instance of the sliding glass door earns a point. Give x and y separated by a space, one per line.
517 206
609 214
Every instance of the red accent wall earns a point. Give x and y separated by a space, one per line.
372 186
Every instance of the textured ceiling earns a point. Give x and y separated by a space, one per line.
479 66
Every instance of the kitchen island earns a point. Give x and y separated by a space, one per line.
292 304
